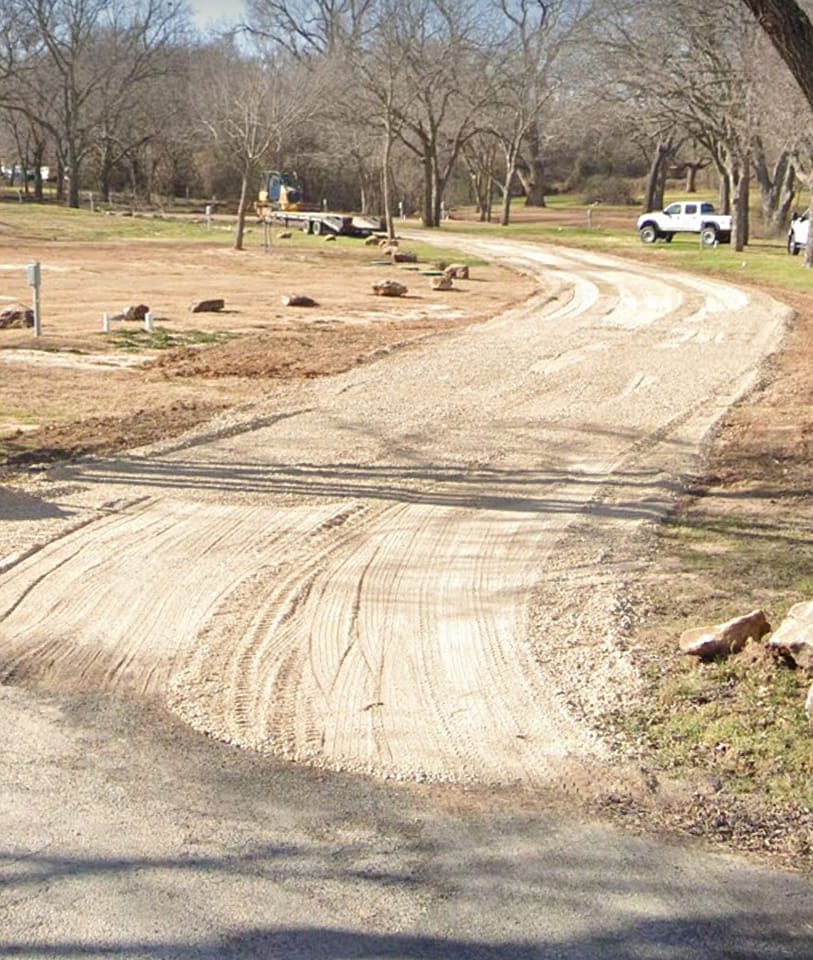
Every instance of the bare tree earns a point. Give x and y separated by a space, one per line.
83 56
251 106
308 28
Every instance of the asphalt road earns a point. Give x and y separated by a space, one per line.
125 834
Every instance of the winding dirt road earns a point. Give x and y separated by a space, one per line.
420 568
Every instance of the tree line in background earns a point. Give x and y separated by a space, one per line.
423 103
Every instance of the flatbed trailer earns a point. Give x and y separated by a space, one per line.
322 223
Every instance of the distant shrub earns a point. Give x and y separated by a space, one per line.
608 189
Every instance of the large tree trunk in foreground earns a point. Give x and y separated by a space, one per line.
791 33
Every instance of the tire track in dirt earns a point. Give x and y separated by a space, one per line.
414 568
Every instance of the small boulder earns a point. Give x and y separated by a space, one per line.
284 235
387 242
298 300
458 271
441 283
372 241
329 237
389 288
136 313
723 639
403 256
793 639
208 306
16 318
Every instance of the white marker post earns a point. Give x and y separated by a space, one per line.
33 275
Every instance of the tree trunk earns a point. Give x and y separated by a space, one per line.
741 181
505 214
656 178
241 209
534 178
386 183
692 170
73 176
776 188
725 194
60 180
427 216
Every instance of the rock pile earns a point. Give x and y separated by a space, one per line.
723 639
792 642
16 318
457 271
298 300
389 288
208 306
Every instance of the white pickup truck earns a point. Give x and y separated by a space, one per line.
687 216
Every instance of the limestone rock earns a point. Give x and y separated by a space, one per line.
458 271
794 636
404 256
441 283
372 241
329 237
389 288
723 639
136 313
284 235
387 242
298 300
16 318
208 306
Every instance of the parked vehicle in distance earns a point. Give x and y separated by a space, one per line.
797 232
686 216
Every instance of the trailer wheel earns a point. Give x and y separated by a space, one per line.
306 226
318 227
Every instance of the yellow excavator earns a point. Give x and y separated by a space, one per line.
279 191
280 201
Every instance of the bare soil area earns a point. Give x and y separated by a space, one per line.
76 390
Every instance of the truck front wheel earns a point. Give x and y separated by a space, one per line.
648 233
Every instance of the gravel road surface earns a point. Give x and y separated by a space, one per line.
418 569
422 570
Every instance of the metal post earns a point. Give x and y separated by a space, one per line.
33 274
208 216
105 323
